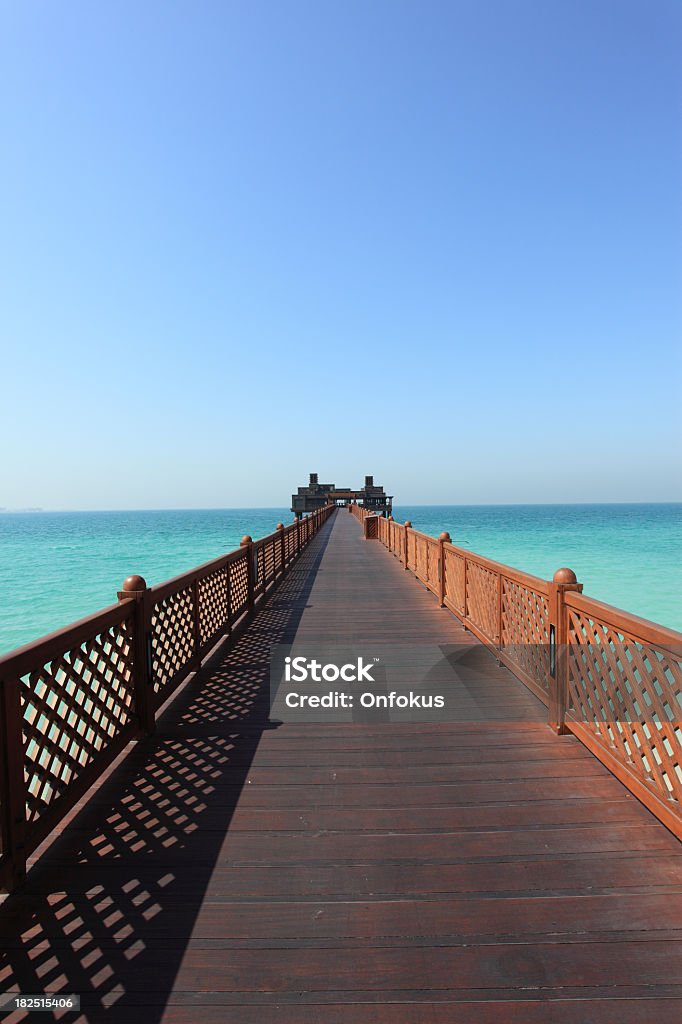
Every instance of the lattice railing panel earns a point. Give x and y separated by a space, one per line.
239 586
214 603
269 552
454 580
422 568
172 636
432 559
629 694
525 629
427 554
73 707
258 555
482 598
398 540
411 550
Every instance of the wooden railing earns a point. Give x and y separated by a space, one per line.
71 701
358 511
610 678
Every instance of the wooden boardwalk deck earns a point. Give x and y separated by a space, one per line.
231 870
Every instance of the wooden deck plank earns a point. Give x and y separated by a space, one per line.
624 1011
447 921
231 870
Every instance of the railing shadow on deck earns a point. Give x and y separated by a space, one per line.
108 910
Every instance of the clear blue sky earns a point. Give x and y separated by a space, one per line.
436 241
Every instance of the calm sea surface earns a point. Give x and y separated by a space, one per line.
56 567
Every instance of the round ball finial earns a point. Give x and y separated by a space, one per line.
390 519
280 526
408 523
132 584
565 576
245 540
446 537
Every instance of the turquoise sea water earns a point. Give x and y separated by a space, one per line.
56 567
626 555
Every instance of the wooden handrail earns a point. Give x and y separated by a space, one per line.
72 700
611 678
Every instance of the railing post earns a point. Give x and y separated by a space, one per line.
408 526
135 588
247 542
282 548
298 535
13 782
442 541
564 580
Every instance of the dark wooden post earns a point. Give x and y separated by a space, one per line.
564 580
282 548
247 542
442 541
408 526
135 589
13 806
298 534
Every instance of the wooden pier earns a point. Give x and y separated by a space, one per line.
229 868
